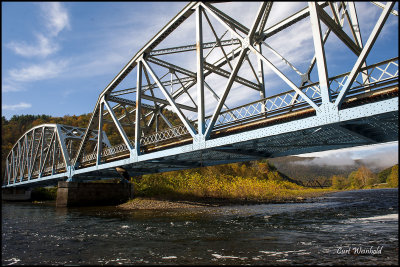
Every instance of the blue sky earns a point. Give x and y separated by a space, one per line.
58 57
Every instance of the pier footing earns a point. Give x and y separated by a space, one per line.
92 194
16 194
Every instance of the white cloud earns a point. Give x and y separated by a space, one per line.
46 70
10 87
56 17
21 105
44 47
374 156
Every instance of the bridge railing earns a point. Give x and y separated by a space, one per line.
289 101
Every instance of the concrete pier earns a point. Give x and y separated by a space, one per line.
16 194
92 194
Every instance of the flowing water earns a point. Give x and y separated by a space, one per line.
350 228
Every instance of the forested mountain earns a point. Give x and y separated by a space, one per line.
303 169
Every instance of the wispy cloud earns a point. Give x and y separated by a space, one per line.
46 70
44 47
21 105
56 19
374 156
9 86
55 16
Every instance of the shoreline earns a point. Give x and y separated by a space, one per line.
154 203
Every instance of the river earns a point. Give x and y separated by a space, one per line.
350 228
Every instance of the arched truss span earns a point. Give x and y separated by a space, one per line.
45 150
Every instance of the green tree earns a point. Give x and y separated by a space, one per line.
339 182
393 179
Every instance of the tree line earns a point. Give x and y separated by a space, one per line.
364 178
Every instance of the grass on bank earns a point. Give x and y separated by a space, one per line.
260 183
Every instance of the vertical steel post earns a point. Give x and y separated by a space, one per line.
8 171
357 32
200 73
54 156
100 133
261 78
31 157
18 160
12 163
139 106
41 151
156 119
319 53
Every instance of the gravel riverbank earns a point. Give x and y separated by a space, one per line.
141 203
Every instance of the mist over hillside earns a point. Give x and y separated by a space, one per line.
310 168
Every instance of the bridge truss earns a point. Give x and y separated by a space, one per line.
229 94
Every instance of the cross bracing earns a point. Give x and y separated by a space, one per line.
228 94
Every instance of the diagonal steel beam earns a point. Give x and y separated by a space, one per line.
264 18
226 92
292 19
256 22
171 100
168 65
379 4
337 29
284 78
225 74
118 125
159 37
226 18
61 140
48 151
85 137
364 53
217 39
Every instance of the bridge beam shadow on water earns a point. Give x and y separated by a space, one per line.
355 108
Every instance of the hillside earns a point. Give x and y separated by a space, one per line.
303 169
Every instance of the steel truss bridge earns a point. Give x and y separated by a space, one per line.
233 92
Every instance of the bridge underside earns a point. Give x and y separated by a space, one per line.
358 132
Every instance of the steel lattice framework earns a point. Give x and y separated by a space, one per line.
225 106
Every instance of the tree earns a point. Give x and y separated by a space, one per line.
393 179
339 182
362 177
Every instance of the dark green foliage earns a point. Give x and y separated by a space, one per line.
44 193
393 178
383 175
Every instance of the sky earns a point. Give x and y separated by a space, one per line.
58 56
